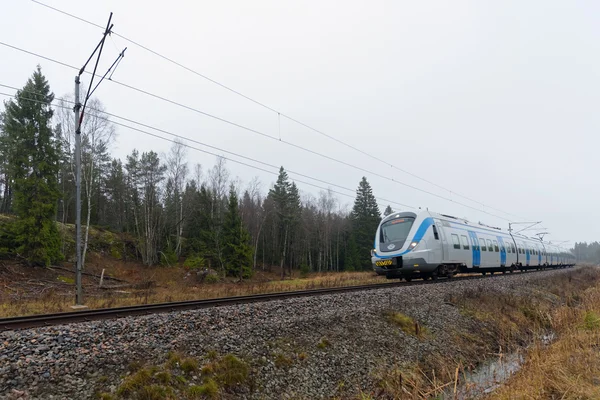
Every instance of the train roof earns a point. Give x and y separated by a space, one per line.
481 225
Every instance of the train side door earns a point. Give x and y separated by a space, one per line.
439 227
502 251
476 250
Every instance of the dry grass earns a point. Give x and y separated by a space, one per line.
568 368
52 294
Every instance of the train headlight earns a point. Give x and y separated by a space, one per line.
413 245
372 252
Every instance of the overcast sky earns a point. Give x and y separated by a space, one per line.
496 101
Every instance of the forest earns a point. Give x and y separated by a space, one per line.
174 211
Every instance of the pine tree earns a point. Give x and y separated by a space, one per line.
365 219
388 211
237 253
34 162
280 195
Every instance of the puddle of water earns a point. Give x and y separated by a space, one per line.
489 376
486 378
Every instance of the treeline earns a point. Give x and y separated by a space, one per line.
587 252
175 212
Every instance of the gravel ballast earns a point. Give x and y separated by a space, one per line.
83 359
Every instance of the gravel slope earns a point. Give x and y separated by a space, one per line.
66 362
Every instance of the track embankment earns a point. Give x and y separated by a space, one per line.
323 346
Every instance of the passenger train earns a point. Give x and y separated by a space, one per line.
428 245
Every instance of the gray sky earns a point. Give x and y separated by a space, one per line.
494 100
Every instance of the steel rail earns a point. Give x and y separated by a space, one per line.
43 320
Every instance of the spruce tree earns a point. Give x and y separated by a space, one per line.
388 211
237 253
34 162
281 194
365 218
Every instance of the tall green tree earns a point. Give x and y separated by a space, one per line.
365 218
281 196
237 253
33 157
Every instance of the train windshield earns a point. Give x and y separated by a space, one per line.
393 233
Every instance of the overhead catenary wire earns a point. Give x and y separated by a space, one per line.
267 136
279 113
209 152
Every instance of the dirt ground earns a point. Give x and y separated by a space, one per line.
34 290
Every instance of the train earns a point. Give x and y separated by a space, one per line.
429 245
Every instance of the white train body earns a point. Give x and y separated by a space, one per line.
427 244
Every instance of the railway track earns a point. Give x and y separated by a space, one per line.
42 320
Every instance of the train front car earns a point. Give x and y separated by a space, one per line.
402 246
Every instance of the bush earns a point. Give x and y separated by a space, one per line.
168 257
8 239
211 278
304 270
194 262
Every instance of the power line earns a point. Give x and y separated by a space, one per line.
279 113
269 136
205 151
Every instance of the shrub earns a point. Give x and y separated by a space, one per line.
194 262
168 257
304 270
211 278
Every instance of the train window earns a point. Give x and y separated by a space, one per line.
465 242
514 249
455 241
496 246
489 243
482 243
476 244
435 233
